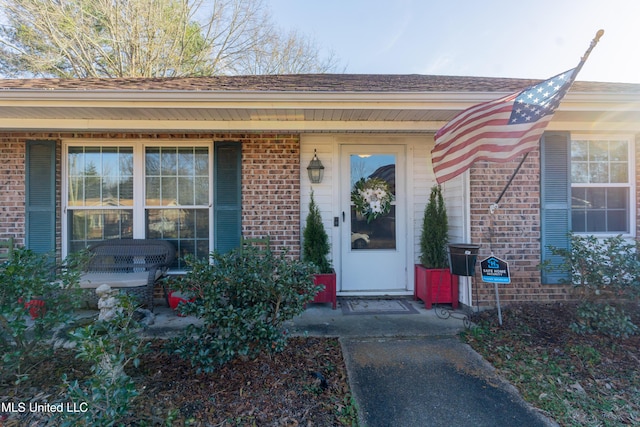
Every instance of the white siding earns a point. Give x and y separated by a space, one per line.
420 178
423 180
324 193
456 197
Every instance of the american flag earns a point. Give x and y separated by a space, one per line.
498 130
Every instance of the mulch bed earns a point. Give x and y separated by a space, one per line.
601 370
306 384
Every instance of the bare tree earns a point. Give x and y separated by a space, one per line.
149 38
290 53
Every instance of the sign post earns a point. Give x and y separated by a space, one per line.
494 270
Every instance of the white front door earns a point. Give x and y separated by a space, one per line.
373 249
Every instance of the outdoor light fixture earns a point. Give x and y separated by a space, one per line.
315 169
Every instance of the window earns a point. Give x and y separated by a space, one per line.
587 185
100 194
601 192
174 187
177 197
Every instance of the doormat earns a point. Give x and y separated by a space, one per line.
377 307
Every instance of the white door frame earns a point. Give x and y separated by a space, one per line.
389 266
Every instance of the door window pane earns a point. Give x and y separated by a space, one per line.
373 210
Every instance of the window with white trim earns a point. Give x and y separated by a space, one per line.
173 184
99 194
602 186
177 197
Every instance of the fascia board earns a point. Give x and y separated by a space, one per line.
77 125
578 101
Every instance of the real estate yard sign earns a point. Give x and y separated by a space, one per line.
495 270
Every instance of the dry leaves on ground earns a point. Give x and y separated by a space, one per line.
306 384
585 380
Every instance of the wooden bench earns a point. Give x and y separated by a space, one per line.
130 265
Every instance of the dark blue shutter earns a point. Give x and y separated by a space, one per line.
555 198
40 197
227 196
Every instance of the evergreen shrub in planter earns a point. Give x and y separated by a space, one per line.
434 282
315 250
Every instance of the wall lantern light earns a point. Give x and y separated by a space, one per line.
315 169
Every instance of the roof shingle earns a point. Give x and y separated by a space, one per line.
345 83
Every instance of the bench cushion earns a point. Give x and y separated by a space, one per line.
116 280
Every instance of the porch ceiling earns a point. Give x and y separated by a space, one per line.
176 118
272 119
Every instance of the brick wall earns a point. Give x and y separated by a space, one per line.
12 187
271 190
512 232
270 181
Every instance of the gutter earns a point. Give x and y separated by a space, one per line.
281 100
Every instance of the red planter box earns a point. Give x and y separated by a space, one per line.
36 308
435 286
329 292
175 298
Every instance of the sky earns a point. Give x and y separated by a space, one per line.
482 38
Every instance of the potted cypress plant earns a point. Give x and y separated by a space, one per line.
434 282
315 249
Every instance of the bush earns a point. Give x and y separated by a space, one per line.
594 318
110 345
25 281
607 266
243 299
602 270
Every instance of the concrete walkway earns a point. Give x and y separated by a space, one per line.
407 370
412 370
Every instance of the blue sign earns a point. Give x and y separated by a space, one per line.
495 270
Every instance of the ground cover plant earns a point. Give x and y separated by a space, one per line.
305 384
578 379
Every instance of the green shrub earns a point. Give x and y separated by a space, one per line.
26 278
110 346
601 270
243 299
598 265
434 234
600 318
316 247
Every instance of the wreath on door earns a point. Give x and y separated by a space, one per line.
372 198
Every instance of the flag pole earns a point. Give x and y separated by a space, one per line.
593 44
495 206
584 58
